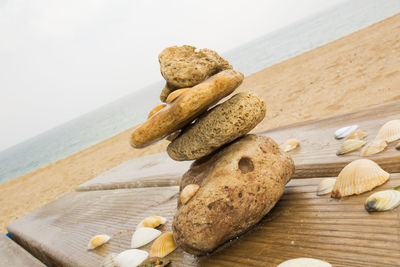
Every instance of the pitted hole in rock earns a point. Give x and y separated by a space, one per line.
246 165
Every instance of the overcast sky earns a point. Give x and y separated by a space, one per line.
61 59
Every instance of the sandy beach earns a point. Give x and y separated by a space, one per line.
356 71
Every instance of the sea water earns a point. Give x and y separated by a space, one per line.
254 56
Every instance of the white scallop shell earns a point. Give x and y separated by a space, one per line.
383 200
389 132
97 241
325 186
345 131
143 236
357 177
130 258
304 262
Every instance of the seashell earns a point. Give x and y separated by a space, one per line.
398 146
155 262
143 236
325 186
374 147
130 258
109 260
156 109
163 245
357 134
350 145
357 177
152 222
188 192
175 94
345 131
97 241
304 262
290 144
383 200
389 132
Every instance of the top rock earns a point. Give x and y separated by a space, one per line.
184 67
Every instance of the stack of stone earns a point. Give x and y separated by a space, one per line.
195 81
236 178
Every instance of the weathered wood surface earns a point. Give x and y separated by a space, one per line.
316 156
149 171
301 225
11 254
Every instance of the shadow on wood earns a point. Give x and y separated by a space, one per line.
11 254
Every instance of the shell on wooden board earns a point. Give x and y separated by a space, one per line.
373 148
345 131
304 262
357 177
357 134
383 200
290 144
188 192
389 132
97 241
325 186
350 145
152 221
130 258
163 245
143 236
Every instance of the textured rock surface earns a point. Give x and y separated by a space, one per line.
239 185
166 91
182 66
219 126
186 107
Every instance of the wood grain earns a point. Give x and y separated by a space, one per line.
301 225
11 254
316 156
154 170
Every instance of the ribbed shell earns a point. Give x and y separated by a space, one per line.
383 200
357 177
373 148
325 186
163 245
390 131
350 145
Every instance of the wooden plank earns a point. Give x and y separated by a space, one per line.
58 233
154 170
301 225
13 255
316 156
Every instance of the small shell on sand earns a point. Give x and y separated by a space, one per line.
357 177
357 134
373 148
304 262
350 145
383 200
290 144
345 131
163 245
325 186
97 241
389 132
